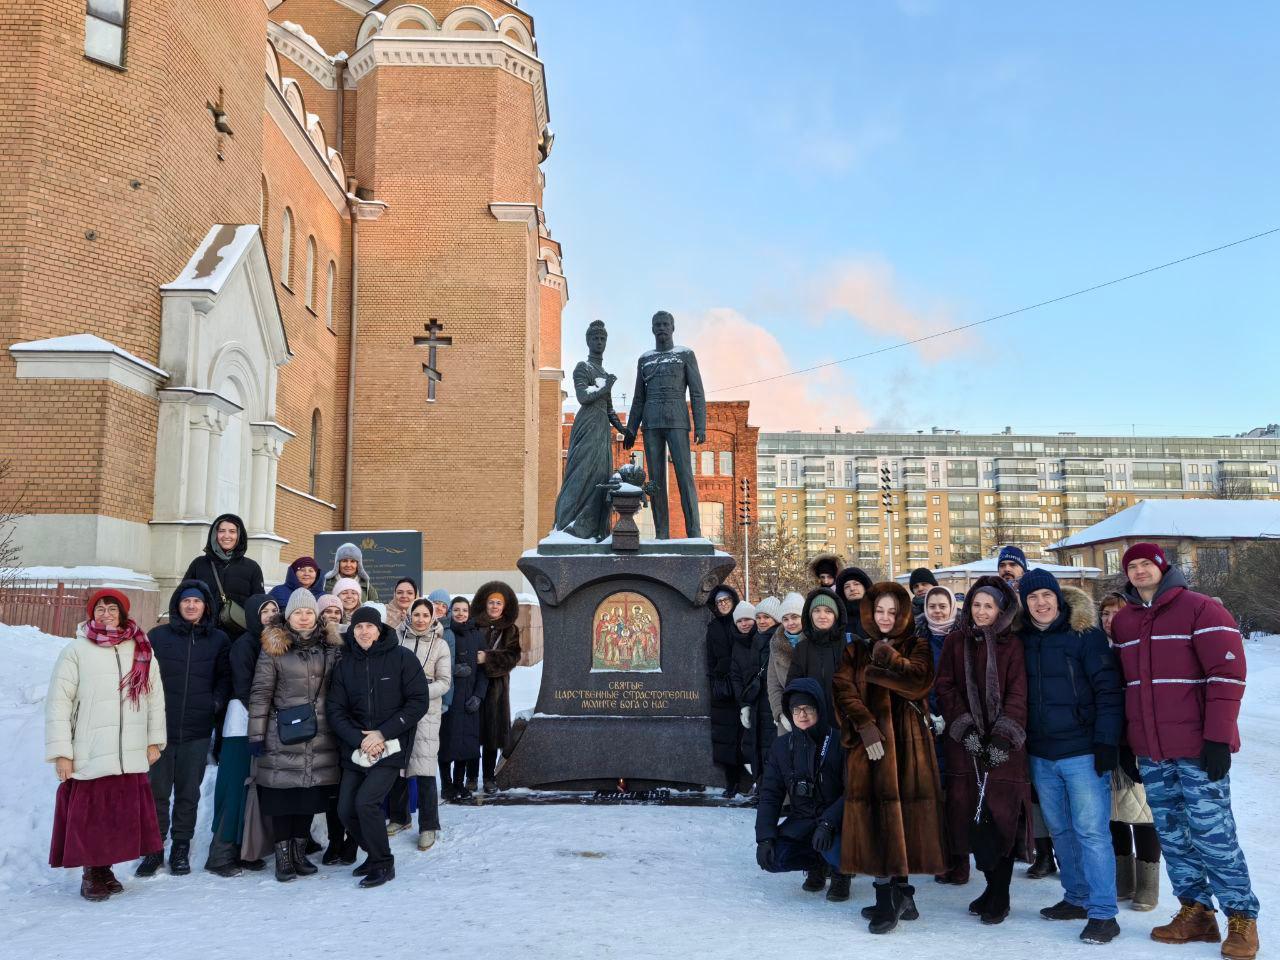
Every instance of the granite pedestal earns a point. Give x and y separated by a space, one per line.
624 692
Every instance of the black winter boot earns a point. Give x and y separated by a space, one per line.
284 861
909 911
838 892
149 865
1045 865
301 865
180 858
995 899
224 859
815 878
888 909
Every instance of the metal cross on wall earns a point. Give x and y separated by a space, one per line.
431 342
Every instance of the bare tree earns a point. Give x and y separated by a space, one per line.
10 514
1233 488
778 562
1251 588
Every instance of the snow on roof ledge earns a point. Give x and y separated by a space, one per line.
1195 519
85 356
223 247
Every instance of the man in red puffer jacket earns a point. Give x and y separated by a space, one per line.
1184 670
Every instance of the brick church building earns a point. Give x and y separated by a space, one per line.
283 258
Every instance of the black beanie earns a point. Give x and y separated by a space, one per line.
922 575
366 614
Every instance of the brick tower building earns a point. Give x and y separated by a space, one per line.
320 294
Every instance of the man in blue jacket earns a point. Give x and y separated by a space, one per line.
1075 715
806 765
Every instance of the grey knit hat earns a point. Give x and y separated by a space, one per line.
300 599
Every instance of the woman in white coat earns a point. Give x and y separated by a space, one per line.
104 727
424 635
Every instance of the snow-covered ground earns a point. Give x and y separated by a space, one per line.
528 881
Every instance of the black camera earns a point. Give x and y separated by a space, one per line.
802 788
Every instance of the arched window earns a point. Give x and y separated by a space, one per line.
310 288
262 206
332 289
286 245
313 461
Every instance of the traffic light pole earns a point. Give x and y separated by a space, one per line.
746 539
886 497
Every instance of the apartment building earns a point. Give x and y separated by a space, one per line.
954 497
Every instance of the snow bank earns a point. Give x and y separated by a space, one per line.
574 881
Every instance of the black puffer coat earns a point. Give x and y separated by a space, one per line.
382 688
749 673
195 668
294 670
818 655
460 728
241 577
726 731
246 647
852 608
799 757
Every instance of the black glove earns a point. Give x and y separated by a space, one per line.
998 750
1105 758
764 854
461 670
824 837
1215 759
472 704
1129 764
257 747
973 743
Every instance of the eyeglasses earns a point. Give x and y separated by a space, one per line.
804 711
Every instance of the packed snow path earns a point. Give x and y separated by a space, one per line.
554 882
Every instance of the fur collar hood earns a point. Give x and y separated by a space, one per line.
1082 612
279 638
903 626
1003 626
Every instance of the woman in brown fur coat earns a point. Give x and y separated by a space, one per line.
499 655
893 798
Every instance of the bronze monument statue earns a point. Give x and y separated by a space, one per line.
663 375
582 509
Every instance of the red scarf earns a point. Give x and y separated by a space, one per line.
136 681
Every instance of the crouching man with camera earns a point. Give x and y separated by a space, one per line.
806 765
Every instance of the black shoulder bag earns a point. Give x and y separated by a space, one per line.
298 724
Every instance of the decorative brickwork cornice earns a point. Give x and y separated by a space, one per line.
456 50
318 66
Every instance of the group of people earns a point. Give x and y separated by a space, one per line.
312 698
888 733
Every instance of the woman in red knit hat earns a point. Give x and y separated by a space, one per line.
104 727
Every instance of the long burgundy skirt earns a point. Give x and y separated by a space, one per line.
100 822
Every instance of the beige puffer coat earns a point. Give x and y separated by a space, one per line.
433 653
91 720
780 651
291 672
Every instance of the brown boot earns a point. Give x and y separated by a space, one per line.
113 885
1242 938
92 886
1193 923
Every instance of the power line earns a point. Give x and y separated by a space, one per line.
1000 316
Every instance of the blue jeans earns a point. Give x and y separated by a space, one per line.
1198 835
1075 802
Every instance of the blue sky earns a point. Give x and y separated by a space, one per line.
799 184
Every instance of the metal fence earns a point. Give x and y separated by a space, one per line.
57 606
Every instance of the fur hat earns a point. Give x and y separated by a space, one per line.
791 603
825 563
300 599
771 607
1145 551
744 611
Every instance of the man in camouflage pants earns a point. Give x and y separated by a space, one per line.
1184 668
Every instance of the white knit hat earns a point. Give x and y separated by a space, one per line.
347 583
771 607
744 611
791 603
